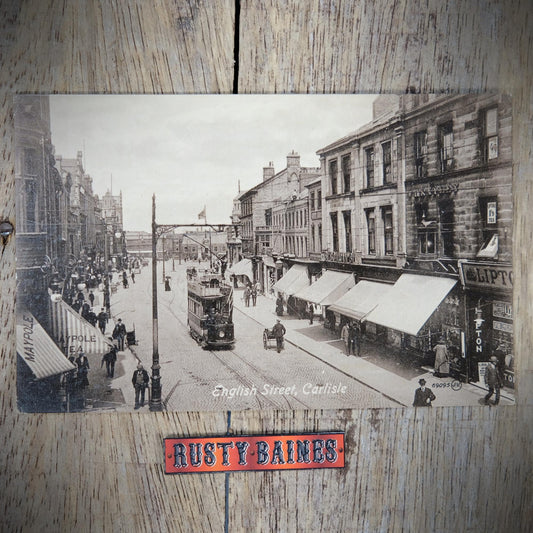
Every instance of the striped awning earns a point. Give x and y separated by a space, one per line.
75 333
38 350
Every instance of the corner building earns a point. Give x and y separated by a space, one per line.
429 203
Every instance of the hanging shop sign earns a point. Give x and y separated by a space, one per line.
486 275
240 453
502 310
502 326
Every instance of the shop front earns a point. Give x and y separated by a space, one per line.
415 313
488 293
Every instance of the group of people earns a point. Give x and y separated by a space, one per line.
351 336
251 291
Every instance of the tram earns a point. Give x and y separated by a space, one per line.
210 309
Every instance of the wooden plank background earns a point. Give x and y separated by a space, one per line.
444 469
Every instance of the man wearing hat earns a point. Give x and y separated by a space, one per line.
140 381
493 380
279 330
423 396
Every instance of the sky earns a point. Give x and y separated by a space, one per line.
192 151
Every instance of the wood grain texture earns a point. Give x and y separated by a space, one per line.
444 469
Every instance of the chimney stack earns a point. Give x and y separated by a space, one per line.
269 171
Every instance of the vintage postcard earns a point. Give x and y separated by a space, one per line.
200 253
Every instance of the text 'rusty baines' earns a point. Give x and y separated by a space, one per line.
271 452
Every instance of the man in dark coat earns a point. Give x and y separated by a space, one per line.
119 332
493 380
279 331
110 358
102 320
140 382
423 396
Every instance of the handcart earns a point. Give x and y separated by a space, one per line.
269 339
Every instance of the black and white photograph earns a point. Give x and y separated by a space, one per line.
264 252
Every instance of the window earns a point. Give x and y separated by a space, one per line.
313 240
426 230
388 230
369 154
320 237
421 147
488 208
268 217
446 146
490 134
347 230
319 199
346 173
312 199
333 175
371 225
335 231
387 163
446 226
30 162
31 205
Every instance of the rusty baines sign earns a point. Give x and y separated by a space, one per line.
486 275
265 452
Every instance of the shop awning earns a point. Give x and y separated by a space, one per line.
295 279
327 289
411 302
361 299
268 261
38 350
242 268
69 328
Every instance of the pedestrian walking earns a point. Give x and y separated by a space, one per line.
247 296
110 358
167 284
279 305
493 380
119 333
442 364
133 277
83 369
91 298
423 396
279 331
125 279
102 320
345 336
254 295
140 382
311 313
355 338
80 298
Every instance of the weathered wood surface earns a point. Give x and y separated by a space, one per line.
444 469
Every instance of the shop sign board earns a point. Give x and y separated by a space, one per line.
502 310
266 452
502 326
486 275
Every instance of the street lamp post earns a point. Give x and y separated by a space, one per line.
155 399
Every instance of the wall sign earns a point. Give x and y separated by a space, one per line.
486 275
502 310
268 452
